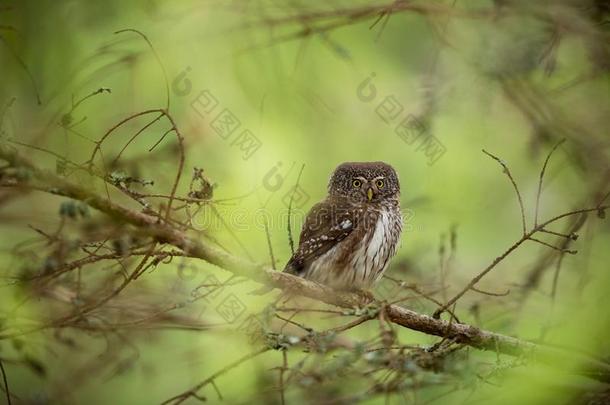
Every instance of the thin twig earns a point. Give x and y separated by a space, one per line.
512 180
24 66
160 140
546 161
478 277
178 399
118 156
269 244
5 380
572 236
351 324
504 294
572 252
290 240
159 61
282 371
556 279
295 323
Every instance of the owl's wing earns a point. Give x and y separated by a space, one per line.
326 224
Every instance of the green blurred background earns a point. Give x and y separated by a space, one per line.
509 77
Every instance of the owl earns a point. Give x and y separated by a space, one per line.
348 238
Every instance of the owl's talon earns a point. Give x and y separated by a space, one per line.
368 294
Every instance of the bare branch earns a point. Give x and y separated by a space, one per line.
503 294
572 252
546 161
512 180
269 244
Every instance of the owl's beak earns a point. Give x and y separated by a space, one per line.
369 193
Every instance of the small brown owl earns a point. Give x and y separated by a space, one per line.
348 239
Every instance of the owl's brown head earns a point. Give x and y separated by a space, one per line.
364 181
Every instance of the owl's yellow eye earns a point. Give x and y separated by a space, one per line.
356 183
379 184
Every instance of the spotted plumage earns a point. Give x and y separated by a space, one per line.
348 238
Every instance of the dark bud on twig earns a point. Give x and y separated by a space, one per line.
73 210
66 119
441 246
67 209
121 246
50 265
453 239
601 213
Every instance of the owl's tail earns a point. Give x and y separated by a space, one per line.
291 268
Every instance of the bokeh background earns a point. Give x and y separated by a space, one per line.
316 84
